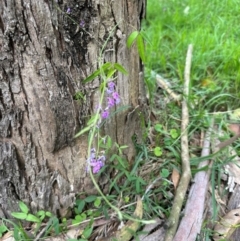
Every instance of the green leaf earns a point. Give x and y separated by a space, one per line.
89 212
174 133
33 218
122 162
109 142
41 214
3 229
80 205
120 68
87 232
158 127
123 147
90 199
110 73
83 131
132 37
19 215
141 48
164 173
49 214
79 218
98 72
97 202
24 208
157 151
92 119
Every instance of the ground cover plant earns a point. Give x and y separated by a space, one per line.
147 187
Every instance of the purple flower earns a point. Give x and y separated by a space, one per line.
111 85
68 11
116 97
82 23
105 114
97 165
111 102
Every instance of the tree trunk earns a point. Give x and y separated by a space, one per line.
45 54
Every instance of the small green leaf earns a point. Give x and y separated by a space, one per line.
55 223
89 212
157 151
49 214
109 142
141 48
90 199
132 37
120 68
126 199
3 229
80 205
83 131
79 218
87 232
110 73
41 214
98 72
174 133
97 202
158 127
19 215
33 218
164 173
24 208
123 147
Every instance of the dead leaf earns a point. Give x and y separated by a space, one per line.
235 128
131 227
175 178
227 225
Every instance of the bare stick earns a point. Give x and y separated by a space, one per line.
186 171
191 222
163 84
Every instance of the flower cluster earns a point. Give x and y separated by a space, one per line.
112 99
96 162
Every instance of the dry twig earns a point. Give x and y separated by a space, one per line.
186 171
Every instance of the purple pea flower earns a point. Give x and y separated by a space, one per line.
116 97
105 114
110 87
82 23
97 165
68 11
111 102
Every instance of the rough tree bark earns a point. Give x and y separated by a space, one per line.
44 58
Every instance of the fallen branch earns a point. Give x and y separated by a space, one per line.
186 171
191 222
164 84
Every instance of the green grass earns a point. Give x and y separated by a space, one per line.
212 28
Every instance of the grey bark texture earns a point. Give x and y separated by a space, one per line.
45 55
